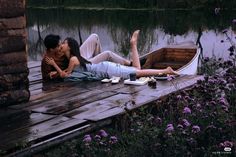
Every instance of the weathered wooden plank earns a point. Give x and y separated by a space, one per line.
108 107
21 119
143 97
35 71
90 109
8 115
34 64
35 86
70 102
34 133
49 91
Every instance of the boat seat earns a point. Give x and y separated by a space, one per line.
174 65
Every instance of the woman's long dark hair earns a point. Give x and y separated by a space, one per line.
75 51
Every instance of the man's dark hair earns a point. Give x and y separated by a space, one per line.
51 41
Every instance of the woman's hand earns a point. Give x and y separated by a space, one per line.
50 61
53 74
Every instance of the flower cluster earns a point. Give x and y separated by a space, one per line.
102 138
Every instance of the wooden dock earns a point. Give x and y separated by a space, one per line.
60 111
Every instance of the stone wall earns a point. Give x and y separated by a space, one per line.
14 81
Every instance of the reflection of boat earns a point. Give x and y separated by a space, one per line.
182 57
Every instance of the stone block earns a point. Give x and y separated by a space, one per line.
12 32
13 58
14 97
12 23
15 68
12 43
14 82
12 8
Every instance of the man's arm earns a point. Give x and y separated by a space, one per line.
48 72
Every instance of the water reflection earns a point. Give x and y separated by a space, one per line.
158 28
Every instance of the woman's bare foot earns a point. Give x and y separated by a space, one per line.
134 50
134 38
171 71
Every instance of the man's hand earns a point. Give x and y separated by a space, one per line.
63 74
50 61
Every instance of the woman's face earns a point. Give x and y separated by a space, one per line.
65 48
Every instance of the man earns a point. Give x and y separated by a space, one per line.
52 44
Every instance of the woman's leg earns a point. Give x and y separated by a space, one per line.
109 56
134 50
91 47
153 72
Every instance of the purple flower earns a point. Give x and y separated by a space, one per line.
226 144
198 106
186 110
213 103
223 101
103 133
225 108
170 128
210 127
158 120
113 139
87 139
195 129
187 98
185 123
206 59
98 137
179 97
191 141
179 126
234 21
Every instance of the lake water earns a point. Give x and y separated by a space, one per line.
158 29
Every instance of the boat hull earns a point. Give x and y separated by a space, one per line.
182 57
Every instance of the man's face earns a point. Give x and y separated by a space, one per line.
58 51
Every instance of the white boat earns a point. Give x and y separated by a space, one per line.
181 57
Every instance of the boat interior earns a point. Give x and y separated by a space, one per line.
164 57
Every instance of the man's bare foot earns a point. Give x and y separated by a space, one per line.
134 38
171 71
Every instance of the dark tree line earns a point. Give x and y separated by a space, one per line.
136 4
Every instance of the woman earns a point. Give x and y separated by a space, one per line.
106 69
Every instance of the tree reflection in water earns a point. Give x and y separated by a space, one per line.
158 28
